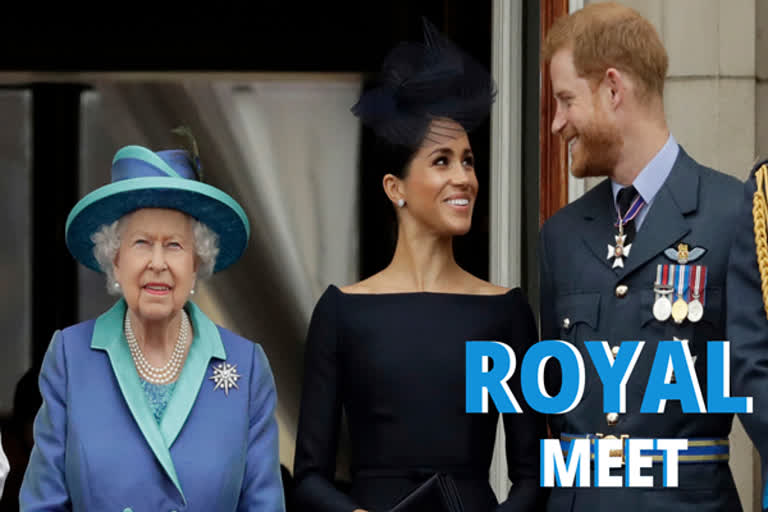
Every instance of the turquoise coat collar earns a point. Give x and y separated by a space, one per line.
108 336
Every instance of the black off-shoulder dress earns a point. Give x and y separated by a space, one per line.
396 363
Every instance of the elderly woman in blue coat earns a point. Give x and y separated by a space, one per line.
151 406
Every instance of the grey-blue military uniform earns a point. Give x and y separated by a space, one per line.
584 298
747 326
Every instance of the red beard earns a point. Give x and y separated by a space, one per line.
597 149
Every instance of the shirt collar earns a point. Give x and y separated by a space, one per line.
654 174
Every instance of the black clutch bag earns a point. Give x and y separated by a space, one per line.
438 494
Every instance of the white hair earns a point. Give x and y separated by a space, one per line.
106 243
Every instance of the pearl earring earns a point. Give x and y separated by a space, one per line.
116 286
401 202
192 291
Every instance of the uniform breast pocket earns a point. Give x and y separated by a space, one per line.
709 326
577 315
713 307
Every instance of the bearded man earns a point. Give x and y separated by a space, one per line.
641 256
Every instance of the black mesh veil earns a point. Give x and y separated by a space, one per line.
424 82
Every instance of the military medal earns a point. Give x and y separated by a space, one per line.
662 307
680 307
698 283
679 311
695 311
621 250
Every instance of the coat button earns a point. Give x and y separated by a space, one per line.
615 350
566 323
612 418
621 291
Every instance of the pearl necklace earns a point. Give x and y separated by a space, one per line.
167 373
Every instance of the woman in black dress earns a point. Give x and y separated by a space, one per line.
389 350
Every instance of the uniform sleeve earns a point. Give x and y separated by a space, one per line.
523 431
44 487
318 432
747 328
262 485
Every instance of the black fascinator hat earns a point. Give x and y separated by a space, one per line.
420 82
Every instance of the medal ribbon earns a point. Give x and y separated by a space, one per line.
665 278
682 281
634 210
662 280
669 273
698 283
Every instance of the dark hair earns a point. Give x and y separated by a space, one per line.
395 159
392 158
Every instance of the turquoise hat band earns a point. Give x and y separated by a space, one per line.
147 156
130 168
150 183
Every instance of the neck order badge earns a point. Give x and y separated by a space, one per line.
621 249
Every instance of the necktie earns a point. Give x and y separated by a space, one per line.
624 200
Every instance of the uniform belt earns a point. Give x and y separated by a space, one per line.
700 449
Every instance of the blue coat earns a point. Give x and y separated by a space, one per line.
584 298
98 446
748 327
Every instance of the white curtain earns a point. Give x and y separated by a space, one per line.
299 143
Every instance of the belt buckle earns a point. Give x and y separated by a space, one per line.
615 453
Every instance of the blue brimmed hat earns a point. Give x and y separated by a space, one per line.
164 179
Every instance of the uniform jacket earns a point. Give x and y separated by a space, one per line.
585 299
